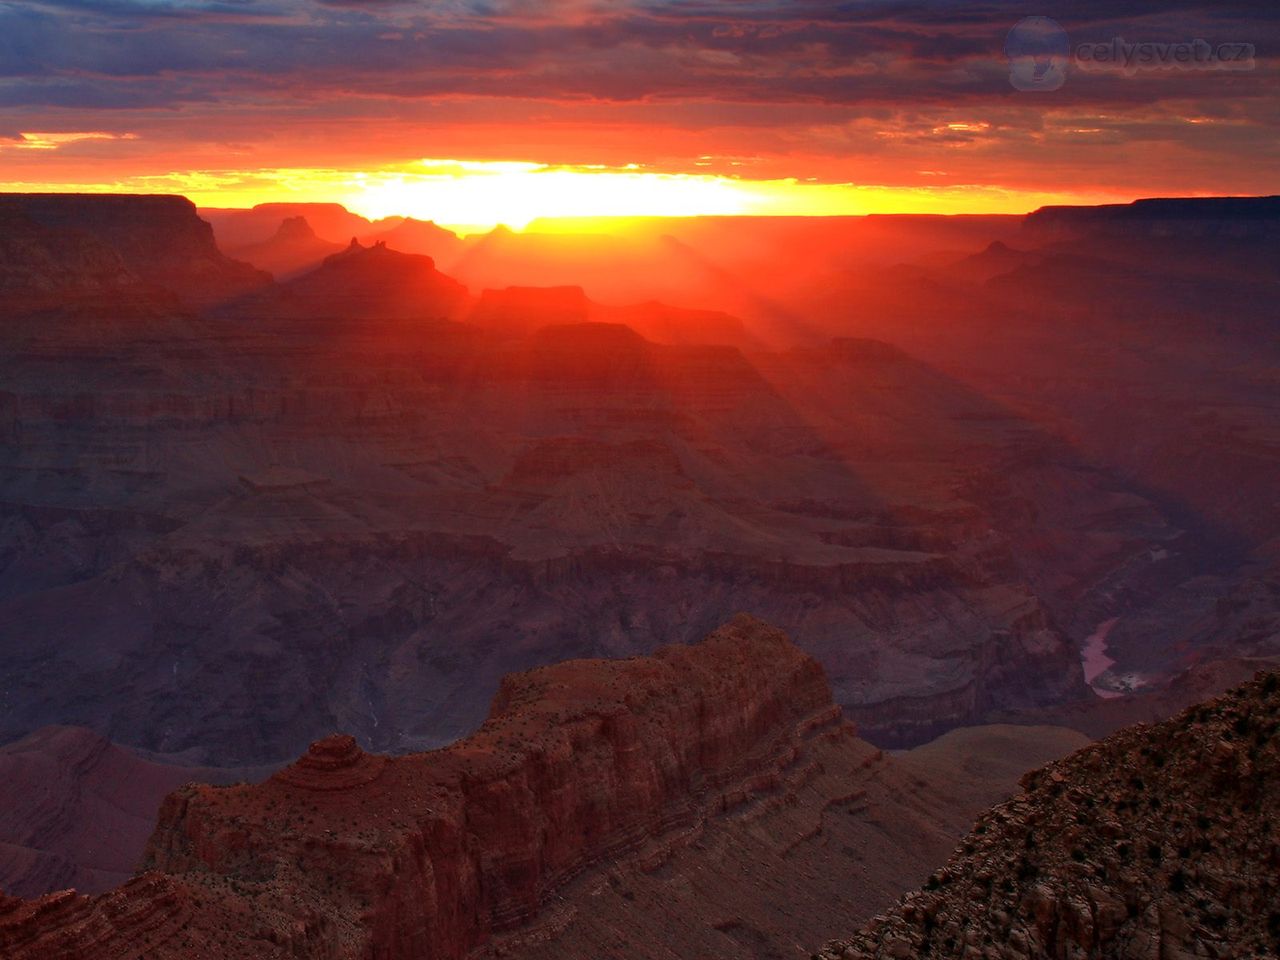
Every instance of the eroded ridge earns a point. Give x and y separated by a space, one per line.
346 854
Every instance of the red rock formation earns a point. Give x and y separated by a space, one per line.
155 240
236 228
519 311
516 312
345 854
366 283
424 237
293 249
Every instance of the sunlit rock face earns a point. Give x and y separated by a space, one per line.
710 778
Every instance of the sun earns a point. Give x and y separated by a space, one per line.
477 195
484 194
474 196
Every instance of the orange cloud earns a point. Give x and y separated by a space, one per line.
55 141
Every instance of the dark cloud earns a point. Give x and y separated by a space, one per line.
122 11
862 53
904 64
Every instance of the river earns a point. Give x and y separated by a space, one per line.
1094 657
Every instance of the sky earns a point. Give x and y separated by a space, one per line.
476 111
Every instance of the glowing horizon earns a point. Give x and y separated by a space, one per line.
478 195
619 108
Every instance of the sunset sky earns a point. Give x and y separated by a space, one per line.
470 111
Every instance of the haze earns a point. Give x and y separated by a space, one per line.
622 480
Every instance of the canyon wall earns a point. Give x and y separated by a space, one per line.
157 241
1201 218
714 785
229 534
468 510
347 854
78 809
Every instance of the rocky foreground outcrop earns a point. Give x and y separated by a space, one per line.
348 854
708 799
1160 842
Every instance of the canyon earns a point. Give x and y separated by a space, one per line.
479 480
239 513
285 513
268 525
717 780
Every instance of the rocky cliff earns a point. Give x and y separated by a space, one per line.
97 243
348 854
1160 841
1221 218
713 786
360 282
293 249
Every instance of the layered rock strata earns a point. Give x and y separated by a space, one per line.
347 854
1160 841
